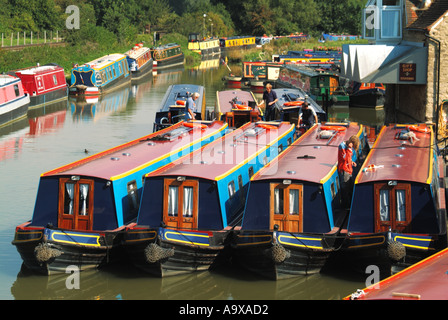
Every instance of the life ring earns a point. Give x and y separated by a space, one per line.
268 126
309 55
180 102
293 103
195 125
334 128
241 107
419 129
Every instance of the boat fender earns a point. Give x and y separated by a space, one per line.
396 250
154 253
180 102
278 253
44 252
195 125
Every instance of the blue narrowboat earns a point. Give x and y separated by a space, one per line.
81 208
189 207
398 212
293 214
100 76
140 61
172 107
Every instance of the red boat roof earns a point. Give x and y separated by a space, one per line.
425 280
227 154
310 158
135 155
38 70
398 158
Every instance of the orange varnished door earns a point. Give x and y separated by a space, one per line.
392 207
75 209
180 204
286 207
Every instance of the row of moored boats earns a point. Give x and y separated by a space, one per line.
231 187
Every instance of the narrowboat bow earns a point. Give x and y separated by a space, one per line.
140 61
14 102
398 213
293 214
167 56
189 207
81 208
100 76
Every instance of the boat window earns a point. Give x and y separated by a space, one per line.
114 71
231 188
293 201
240 182
16 89
188 202
280 148
333 190
278 201
384 205
133 196
172 200
55 80
83 197
289 141
251 171
265 160
68 198
401 204
119 68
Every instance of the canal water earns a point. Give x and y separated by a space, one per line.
61 133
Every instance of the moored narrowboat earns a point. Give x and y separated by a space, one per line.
189 207
14 101
167 55
204 47
100 76
367 95
289 105
172 107
81 208
140 61
236 107
44 84
237 43
398 213
293 213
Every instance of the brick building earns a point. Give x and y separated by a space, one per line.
408 52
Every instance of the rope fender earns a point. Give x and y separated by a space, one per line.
278 253
396 250
44 252
154 253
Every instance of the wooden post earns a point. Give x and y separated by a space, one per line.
45 36
31 37
24 38
11 38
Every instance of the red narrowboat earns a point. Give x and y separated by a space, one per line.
44 84
14 101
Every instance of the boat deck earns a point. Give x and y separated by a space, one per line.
102 62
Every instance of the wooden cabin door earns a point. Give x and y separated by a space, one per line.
392 207
180 204
75 210
286 207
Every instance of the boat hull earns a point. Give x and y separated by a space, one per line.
51 251
164 252
168 62
281 255
143 71
107 88
48 98
367 100
14 110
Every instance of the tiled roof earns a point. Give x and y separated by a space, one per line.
425 18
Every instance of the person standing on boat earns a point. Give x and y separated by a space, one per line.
308 116
190 106
269 100
345 168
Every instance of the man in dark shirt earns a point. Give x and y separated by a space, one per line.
269 100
